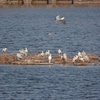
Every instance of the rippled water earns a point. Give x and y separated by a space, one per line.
49 83
29 27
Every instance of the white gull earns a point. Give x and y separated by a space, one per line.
62 19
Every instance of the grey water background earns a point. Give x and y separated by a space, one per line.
29 27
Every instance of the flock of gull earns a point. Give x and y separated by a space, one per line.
24 52
81 56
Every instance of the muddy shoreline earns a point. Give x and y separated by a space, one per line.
36 59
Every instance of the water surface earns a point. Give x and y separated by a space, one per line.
29 27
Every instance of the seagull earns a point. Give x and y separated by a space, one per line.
79 54
86 58
42 53
62 19
19 56
49 58
81 59
4 50
24 52
47 53
83 53
59 51
64 57
75 58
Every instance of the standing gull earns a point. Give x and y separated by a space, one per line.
64 57
42 53
59 51
49 58
47 52
19 56
24 52
4 50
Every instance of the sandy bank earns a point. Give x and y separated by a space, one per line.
36 59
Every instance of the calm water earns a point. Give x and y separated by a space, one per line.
29 27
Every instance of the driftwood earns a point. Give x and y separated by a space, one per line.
36 59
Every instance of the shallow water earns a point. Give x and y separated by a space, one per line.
29 27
